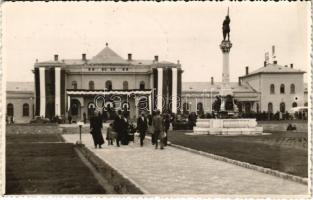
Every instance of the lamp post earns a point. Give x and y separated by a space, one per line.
80 124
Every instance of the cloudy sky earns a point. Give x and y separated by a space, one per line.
189 32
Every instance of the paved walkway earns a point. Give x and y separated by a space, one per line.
175 171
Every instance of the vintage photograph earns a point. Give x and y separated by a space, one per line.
147 98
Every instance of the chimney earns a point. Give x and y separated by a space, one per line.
265 63
247 70
156 58
212 80
275 62
291 65
56 57
84 57
239 81
129 57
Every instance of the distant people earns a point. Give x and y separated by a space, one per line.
95 130
69 119
142 127
117 126
157 123
111 134
125 130
84 118
167 123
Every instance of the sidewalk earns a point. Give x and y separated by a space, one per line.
175 171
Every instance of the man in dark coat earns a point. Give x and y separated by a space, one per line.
95 130
157 123
124 130
117 126
166 127
142 126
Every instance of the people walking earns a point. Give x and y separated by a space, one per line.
124 130
95 130
111 134
142 126
157 123
117 126
166 123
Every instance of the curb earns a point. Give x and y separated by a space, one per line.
246 165
121 183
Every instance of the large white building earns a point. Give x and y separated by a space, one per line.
271 88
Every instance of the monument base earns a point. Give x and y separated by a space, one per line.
227 127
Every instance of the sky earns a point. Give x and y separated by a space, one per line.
189 32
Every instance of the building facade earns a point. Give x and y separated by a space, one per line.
271 88
107 82
19 102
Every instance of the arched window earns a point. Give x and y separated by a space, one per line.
10 110
272 89
282 107
108 85
91 85
270 107
292 89
142 85
74 85
125 85
200 110
294 104
282 89
25 110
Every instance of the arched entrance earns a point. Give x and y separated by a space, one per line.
75 109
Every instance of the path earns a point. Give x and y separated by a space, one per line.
175 171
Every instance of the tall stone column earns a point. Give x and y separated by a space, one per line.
57 91
42 83
226 89
174 90
160 89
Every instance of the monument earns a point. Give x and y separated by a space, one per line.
226 125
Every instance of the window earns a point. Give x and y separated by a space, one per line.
282 107
74 85
292 89
108 85
142 85
270 107
91 85
272 89
282 89
125 85
10 110
294 104
25 110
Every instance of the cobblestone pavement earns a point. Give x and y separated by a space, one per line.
175 171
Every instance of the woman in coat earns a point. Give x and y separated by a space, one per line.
95 130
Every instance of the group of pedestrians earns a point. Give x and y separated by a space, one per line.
121 131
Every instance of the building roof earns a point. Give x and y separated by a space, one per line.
107 55
274 68
20 86
206 86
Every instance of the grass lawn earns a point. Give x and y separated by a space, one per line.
36 165
285 151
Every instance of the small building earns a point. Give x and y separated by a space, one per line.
281 87
19 101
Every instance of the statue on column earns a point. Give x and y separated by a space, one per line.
226 28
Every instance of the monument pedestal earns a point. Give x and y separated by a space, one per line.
227 127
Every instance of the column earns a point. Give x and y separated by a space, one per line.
57 91
68 102
174 90
150 103
42 91
160 89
